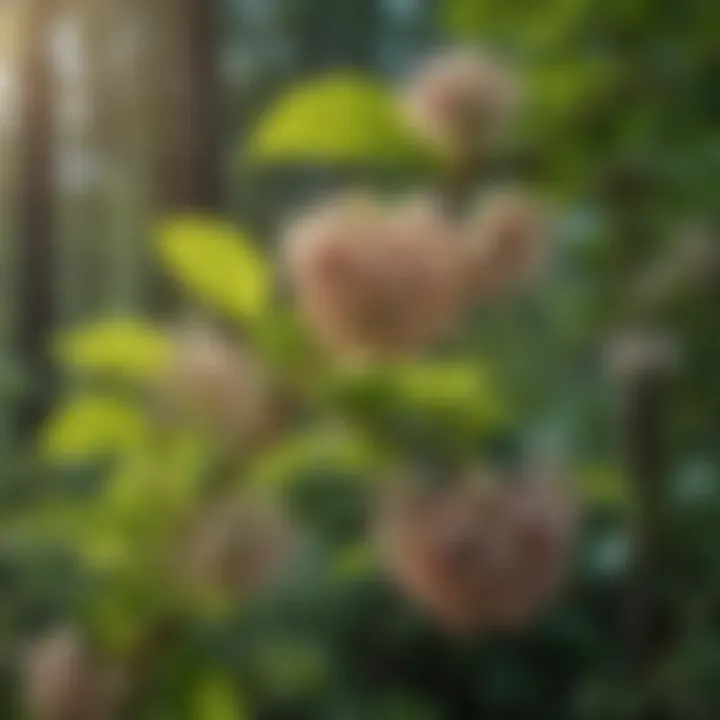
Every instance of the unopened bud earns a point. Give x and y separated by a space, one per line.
480 553
641 353
461 100
506 243
373 280
218 385
63 680
238 546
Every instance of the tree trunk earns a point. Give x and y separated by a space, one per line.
645 464
190 162
35 216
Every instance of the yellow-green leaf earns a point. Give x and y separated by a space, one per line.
334 449
160 481
217 263
127 348
53 522
452 387
216 698
87 427
337 118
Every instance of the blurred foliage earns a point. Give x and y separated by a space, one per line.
88 426
217 263
343 118
622 125
122 348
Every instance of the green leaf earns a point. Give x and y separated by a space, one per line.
447 384
84 528
461 394
517 24
158 482
334 450
216 698
147 496
55 521
13 380
402 707
353 561
605 487
117 620
87 427
560 91
291 668
343 117
126 348
217 263
437 406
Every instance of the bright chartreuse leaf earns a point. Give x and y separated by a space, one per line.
449 403
431 386
125 348
452 387
217 263
343 117
87 427
430 406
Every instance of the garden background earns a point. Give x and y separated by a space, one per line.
117 113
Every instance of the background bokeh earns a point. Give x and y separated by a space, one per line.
116 112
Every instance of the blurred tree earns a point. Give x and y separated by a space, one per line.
189 104
36 207
621 127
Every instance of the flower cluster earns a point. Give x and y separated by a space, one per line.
236 546
63 680
219 384
506 243
379 279
384 280
375 280
461 100
481 553
372 279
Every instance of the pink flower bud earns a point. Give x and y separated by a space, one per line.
375 281
506 243
218 385
62 680
237 545
480 553
460 100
